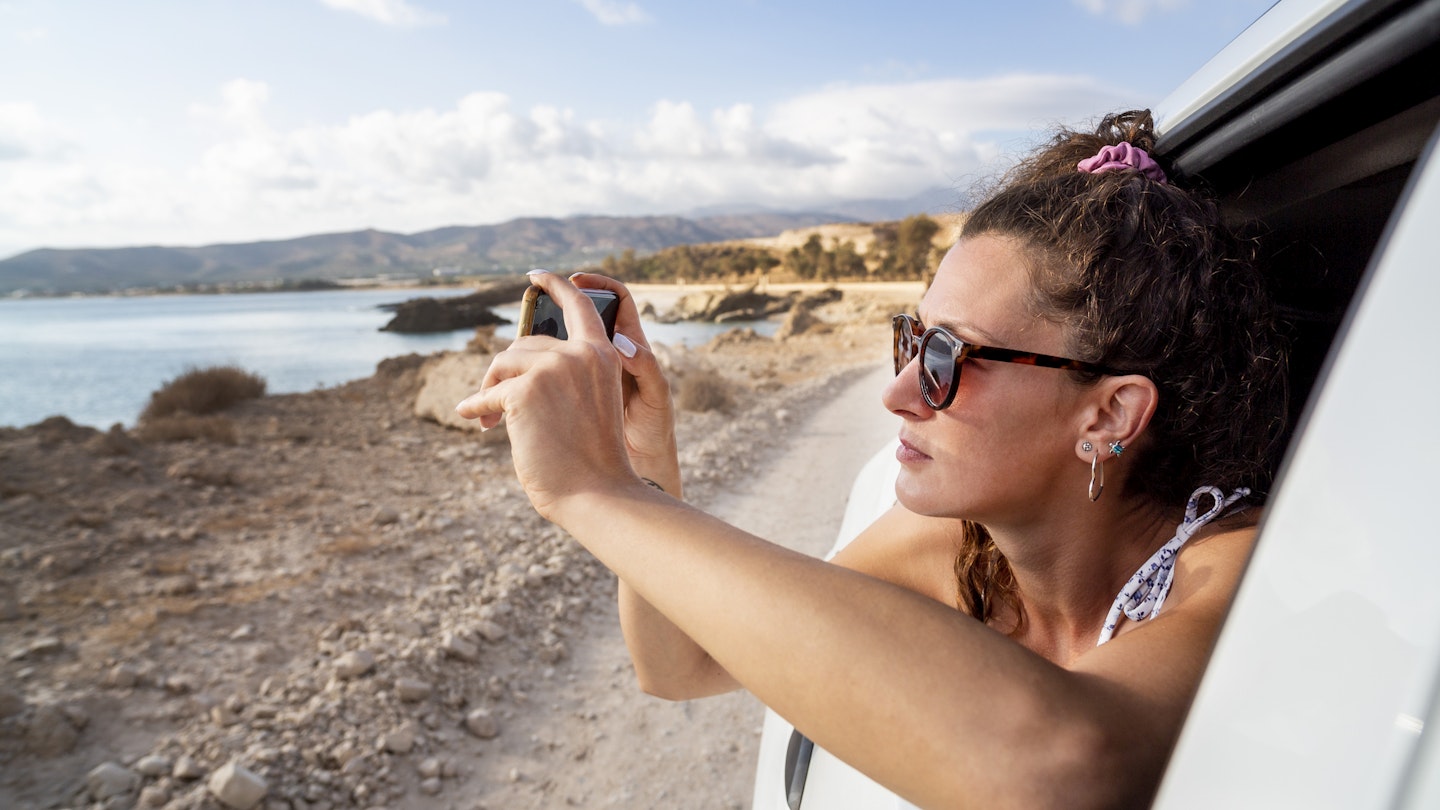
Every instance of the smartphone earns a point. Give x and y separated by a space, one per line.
540 315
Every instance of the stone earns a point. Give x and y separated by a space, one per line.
50 733
400 740
44 645
344 752
429 768
110 779
491 631
154 765
411 690
11 702
154 796
445 380
186 767
354 664
457 647
123 676
77 714
180 684
237 787
430 787
482 724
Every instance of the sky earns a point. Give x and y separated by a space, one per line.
189 122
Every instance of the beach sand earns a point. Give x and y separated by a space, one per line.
358 607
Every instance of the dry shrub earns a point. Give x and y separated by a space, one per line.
185 427
705 391
349 545
395 366
202 391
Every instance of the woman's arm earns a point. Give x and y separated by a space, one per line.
925 700
928 702
900 547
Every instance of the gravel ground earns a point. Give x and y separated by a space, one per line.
343 604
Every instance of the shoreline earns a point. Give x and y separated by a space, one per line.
124 401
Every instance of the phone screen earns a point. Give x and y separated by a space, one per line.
540 315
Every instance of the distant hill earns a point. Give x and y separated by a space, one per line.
509 247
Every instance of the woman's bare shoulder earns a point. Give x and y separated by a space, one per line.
913 551
1210 565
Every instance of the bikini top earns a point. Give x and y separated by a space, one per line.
1145 593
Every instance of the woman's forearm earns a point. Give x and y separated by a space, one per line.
935 705
668 663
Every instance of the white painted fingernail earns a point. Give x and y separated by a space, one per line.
537 272
624 344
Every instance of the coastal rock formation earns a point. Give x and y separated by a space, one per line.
747 304
447 378
420 315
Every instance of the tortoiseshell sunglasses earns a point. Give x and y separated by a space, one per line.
943 353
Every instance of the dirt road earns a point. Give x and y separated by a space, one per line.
627 749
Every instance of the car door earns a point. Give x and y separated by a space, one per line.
1322 688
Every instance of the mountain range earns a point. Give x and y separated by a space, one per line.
508 247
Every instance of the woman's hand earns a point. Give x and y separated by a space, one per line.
567 404
649 413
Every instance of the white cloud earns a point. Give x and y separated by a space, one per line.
1130 12
26 134
611 12
390 12
242 105
483 160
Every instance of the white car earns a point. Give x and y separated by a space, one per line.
1319 121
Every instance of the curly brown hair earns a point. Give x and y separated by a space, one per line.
1149 279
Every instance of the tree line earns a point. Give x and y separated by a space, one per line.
901 251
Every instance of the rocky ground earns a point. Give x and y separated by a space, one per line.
340 602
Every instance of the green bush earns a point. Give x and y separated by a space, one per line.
201 391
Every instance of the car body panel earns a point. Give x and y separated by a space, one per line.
1262 40
1324 676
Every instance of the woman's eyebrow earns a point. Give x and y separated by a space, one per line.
961 329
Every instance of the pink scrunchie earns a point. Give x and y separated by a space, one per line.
1122 156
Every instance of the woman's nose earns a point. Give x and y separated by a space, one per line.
902 395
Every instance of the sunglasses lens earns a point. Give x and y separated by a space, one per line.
937 369
905 342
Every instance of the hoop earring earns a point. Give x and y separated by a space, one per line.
1097 477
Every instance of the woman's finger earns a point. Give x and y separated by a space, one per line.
581 319
627 318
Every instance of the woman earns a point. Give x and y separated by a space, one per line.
1095 355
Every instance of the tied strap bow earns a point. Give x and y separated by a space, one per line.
1143 596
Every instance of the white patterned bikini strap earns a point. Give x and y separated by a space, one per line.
1145 593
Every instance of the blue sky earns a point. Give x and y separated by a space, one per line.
185 122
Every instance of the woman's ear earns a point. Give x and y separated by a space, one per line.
1118 410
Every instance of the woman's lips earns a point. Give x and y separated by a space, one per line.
908 454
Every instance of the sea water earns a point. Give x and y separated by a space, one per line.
97 360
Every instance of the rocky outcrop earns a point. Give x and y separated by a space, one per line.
748 304
445 380
462 312
802 318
